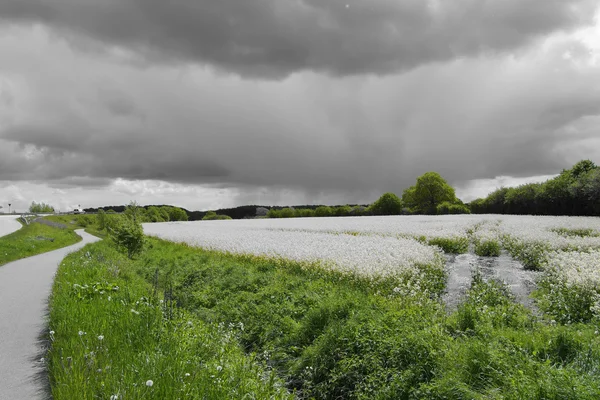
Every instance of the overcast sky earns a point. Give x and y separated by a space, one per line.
217 103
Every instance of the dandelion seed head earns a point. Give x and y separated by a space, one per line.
149 383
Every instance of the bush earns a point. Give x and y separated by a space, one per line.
487 248
388 204
455 245
323 211
213 216
452 208
128 236
42 208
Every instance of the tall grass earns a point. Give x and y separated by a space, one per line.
321 334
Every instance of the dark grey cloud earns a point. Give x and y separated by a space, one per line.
274 38
309 137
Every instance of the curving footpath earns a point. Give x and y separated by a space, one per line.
8 224
24 289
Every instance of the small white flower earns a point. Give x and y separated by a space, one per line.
219 368
81 333
101 337
187 374
149 383
51 332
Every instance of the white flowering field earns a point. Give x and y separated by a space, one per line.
8 224
565 249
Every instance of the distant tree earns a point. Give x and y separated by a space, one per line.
574 191
40 208
452 208
387 204
134 212
359 211
212 216
323 211
409 199
305 212
261 211
287 212
153 214
342 211
430 191
177 214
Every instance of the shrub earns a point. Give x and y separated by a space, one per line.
454 245
387 204
128 236
452 208
212 216
323 211
487 248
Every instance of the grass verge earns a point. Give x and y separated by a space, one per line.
34 239
321 334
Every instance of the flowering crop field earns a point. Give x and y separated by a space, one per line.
565 249
8 224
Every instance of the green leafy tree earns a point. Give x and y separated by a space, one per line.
387 204
430 191
177 214
287 213
128 236
342 211
134 212
40 208
323 211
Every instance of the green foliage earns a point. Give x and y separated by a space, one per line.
531 254
454 245
450 208
387 204
342 211
326 335
41 208
574 192
564 302
176 214
101 219
323 211
213 216
111 332
33 239
128 236
487 248
430 191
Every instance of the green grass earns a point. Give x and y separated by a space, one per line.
324 335
455 245
34 239
79 221
487 248
111 333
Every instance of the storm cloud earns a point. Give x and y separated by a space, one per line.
140 97
274 38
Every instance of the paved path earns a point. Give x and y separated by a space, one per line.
24 289
8 224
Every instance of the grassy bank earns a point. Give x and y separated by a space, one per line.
79 221
230 321
34 239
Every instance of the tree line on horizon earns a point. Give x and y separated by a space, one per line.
575 191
